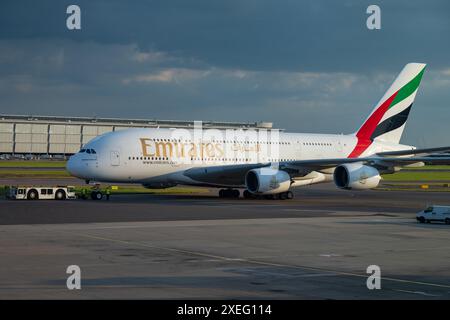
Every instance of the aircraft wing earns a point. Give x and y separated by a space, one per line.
234 175
414 152
430 156
376 161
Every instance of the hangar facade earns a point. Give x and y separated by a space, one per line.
52 135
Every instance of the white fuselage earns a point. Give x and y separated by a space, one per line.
158 157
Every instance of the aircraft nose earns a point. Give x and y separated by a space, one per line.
73 166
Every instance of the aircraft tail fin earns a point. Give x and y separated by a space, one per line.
388 118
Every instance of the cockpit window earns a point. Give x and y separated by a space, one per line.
89 151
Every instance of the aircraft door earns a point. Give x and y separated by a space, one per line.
115 158
340 148
298 150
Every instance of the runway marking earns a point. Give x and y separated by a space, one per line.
312 210
330 255
285 275
263 263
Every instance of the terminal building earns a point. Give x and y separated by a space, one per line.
63 136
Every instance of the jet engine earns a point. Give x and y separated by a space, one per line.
267 181
356 176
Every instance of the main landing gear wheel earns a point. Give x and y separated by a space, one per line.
229 193
286 195
280 196
248 195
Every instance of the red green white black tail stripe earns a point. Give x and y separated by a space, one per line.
388 119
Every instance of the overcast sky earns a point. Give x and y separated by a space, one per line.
307 66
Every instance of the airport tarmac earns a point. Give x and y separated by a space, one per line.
316 246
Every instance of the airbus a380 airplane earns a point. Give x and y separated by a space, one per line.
265 163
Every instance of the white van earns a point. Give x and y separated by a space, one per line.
434 213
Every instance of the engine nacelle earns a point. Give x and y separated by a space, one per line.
267 181
356 176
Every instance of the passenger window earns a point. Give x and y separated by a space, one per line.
21 191
93 151
43 191
429 209
82 150
49 191
88 151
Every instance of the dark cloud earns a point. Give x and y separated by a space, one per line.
258 35
306 65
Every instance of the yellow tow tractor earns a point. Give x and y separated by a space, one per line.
95 192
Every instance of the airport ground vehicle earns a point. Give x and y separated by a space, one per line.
41 192
434 213
95 193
